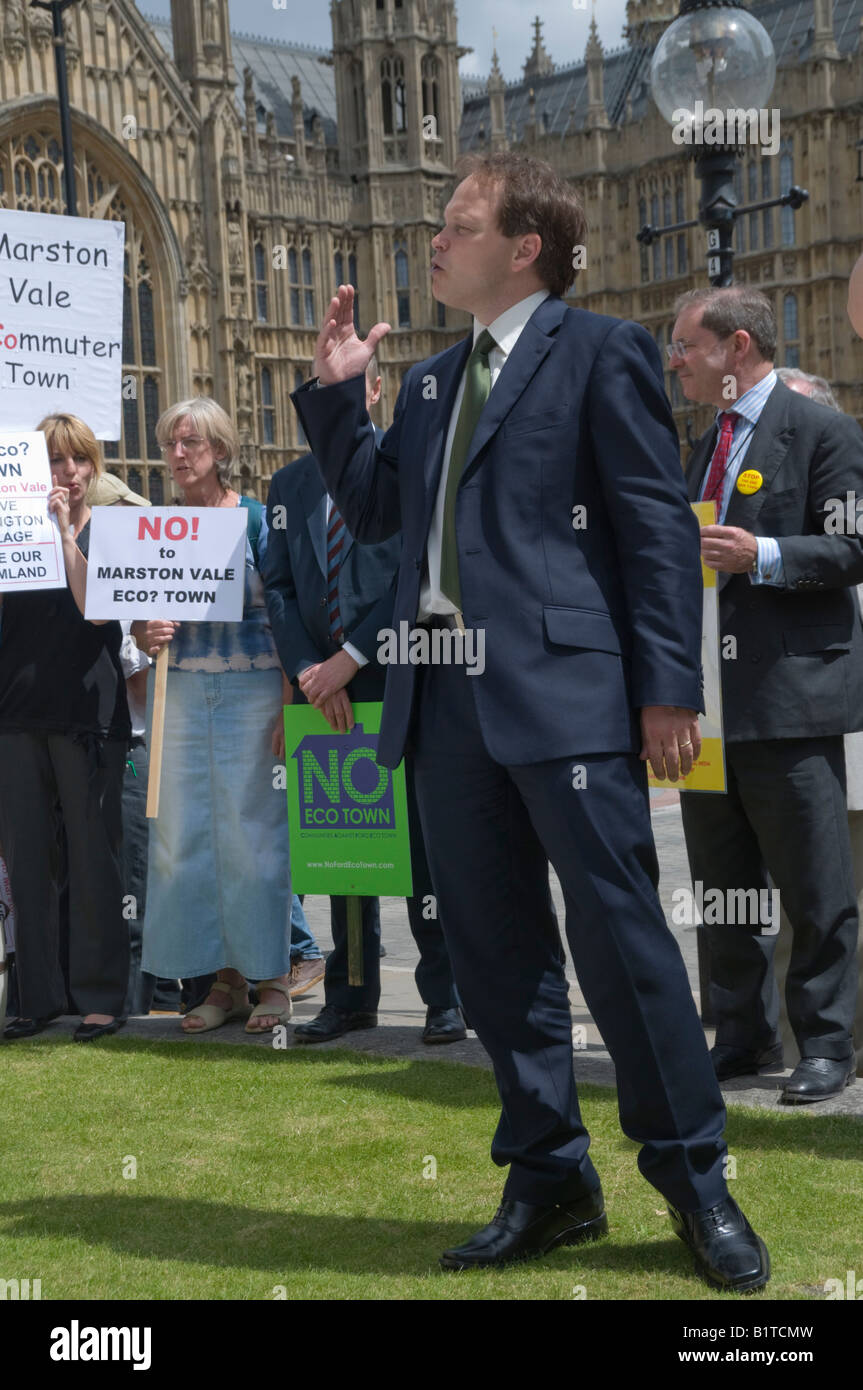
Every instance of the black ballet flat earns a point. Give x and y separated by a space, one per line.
29 1027
86 1032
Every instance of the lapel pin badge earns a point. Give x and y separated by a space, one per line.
749 481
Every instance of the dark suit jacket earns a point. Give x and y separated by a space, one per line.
798 671
581 625
295 575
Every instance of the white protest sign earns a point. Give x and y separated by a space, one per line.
182 563
61 320
31 554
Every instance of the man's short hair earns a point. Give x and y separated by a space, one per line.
737 307
818 389
373 371
534 199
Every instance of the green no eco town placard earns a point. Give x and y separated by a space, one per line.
348 816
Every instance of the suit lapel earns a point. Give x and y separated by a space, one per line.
315 511
699 459
448 374
766 453
533 346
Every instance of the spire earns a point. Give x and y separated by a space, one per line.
496 76
496 88
825 38
538 64
299 123
594 47
597 115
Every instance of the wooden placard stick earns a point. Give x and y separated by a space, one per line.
157 733
354 906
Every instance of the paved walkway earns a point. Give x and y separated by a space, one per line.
401 1013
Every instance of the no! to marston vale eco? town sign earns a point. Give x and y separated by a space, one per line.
348 816
183 563
61 320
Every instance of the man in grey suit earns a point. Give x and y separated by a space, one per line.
778 466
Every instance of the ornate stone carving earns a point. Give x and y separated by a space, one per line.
41 29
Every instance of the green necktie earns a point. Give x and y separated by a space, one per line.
477 388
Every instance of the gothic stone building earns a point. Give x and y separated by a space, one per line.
254 175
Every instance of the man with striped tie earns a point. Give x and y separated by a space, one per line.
328 597
792 685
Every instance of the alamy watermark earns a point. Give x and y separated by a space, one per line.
729 907
734 126
433 646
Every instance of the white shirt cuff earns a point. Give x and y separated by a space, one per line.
770 567
355 653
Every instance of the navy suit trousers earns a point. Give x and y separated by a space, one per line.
490 831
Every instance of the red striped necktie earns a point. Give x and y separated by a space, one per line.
716 477
336 532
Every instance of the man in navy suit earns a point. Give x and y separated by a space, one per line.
534 471
328 644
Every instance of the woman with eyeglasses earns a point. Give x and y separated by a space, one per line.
64 735
219 882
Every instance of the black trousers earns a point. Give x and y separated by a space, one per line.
433 974
784 815
490 831
38 771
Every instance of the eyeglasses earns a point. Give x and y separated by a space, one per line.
189 444
679 349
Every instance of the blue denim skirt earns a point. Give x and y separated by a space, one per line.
219 875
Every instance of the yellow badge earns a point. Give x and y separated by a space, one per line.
749 482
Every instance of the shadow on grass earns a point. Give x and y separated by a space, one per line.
452 1084
214 1233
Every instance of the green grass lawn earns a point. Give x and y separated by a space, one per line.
262 1171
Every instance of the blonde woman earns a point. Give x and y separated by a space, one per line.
64 734
219 881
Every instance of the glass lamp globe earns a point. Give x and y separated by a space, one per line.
721 56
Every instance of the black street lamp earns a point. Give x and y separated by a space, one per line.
711 75
57 7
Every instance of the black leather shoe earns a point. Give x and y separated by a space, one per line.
29 1027
728 1254
86 1032
818 1078
332 1022
519 1231
740 1061
444 1026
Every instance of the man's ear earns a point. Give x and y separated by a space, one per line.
742 342
527 251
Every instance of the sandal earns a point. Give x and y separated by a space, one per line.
214 1015
269 1010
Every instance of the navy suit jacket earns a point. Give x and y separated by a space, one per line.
797 668
584 623
295 575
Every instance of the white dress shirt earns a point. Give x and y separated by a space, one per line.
748 409
505 330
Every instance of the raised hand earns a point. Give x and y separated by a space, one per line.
339 353
58 503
